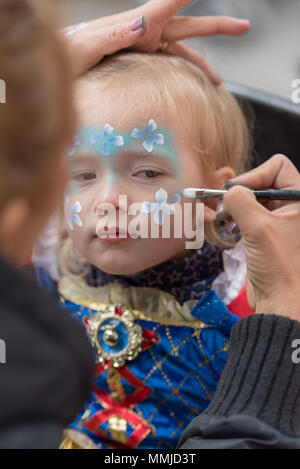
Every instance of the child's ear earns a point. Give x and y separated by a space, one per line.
223 174
220 176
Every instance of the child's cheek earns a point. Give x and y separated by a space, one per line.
74 213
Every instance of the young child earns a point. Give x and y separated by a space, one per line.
158 311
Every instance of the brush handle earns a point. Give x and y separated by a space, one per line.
273 194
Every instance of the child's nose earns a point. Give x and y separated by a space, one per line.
111 191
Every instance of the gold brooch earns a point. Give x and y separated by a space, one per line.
115 335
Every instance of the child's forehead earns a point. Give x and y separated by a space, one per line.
100 106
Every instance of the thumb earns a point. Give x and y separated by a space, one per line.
89 46
242 206
122 35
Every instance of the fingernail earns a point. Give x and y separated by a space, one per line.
244 20
235 229
228 184
137 24
220 215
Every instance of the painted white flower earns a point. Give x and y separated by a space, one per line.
148 144
160 206
75 144
74 217
110 139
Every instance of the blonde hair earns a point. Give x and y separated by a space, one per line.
174 86
211 117
37 116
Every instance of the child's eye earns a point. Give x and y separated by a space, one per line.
148 173
83 177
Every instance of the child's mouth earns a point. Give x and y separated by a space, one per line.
112 235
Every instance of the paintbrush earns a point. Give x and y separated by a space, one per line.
267 194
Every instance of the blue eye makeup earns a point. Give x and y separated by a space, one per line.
108 142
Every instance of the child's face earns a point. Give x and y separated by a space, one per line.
126 152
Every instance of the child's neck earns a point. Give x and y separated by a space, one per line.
179 255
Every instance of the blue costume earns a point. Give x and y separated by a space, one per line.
160 341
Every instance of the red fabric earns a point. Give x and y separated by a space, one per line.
149 339
121 409
240 305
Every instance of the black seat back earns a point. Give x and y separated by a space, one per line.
276 123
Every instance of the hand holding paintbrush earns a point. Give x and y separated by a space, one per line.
262 195
270 236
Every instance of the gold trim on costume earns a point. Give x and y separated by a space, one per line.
72 439
147 303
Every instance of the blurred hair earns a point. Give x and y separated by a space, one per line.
37 117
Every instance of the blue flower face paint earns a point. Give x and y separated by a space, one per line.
102 151
160 207
73 217
148 139
108 142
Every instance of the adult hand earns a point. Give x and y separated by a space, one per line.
271 235
154 24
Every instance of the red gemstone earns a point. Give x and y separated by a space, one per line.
118 310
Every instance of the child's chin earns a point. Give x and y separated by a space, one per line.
118 266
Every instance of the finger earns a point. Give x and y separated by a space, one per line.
177 48
223 217
185 27
123 35
105 41
181 3
278 172
123 17
269 204
166 7
154 9
243 207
